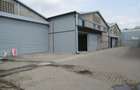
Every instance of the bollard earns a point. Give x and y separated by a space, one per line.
14 52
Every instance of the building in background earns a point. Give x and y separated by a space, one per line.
76 32
131 37
21 28
114 35
26 31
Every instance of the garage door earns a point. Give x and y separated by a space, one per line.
27 37
92 42
113 42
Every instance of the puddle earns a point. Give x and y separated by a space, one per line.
122 87
73 68
113 77
127 87
84 72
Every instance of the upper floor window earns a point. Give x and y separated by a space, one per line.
6 6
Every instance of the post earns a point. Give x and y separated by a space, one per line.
76 33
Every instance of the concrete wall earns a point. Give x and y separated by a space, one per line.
27 37
95 18
114 31
62 35
104 40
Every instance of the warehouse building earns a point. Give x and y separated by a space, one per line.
131 37
27 31
21 28
114 35
75 32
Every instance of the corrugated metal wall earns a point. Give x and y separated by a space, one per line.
92 40
131 38
62 34
27 37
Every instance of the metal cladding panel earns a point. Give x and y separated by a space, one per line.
92 42
27 37
131 38
129 35
114 42
64 42
129 43
64 23
62 34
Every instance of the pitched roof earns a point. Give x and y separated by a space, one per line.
30 9
96 12
111 24
72 12
114 24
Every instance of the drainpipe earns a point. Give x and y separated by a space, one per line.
108 38
76 33
51 37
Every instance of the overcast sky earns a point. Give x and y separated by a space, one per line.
125 12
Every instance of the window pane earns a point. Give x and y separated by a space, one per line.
6 6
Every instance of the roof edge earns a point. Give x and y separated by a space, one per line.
59 15
99 15
7 15
30 9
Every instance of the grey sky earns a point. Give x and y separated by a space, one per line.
125 12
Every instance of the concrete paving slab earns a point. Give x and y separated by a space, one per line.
51 78
94 71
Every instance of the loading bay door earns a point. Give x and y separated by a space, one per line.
92 42
82 42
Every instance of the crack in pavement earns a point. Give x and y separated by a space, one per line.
113 77
8 85
29 67
106 76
